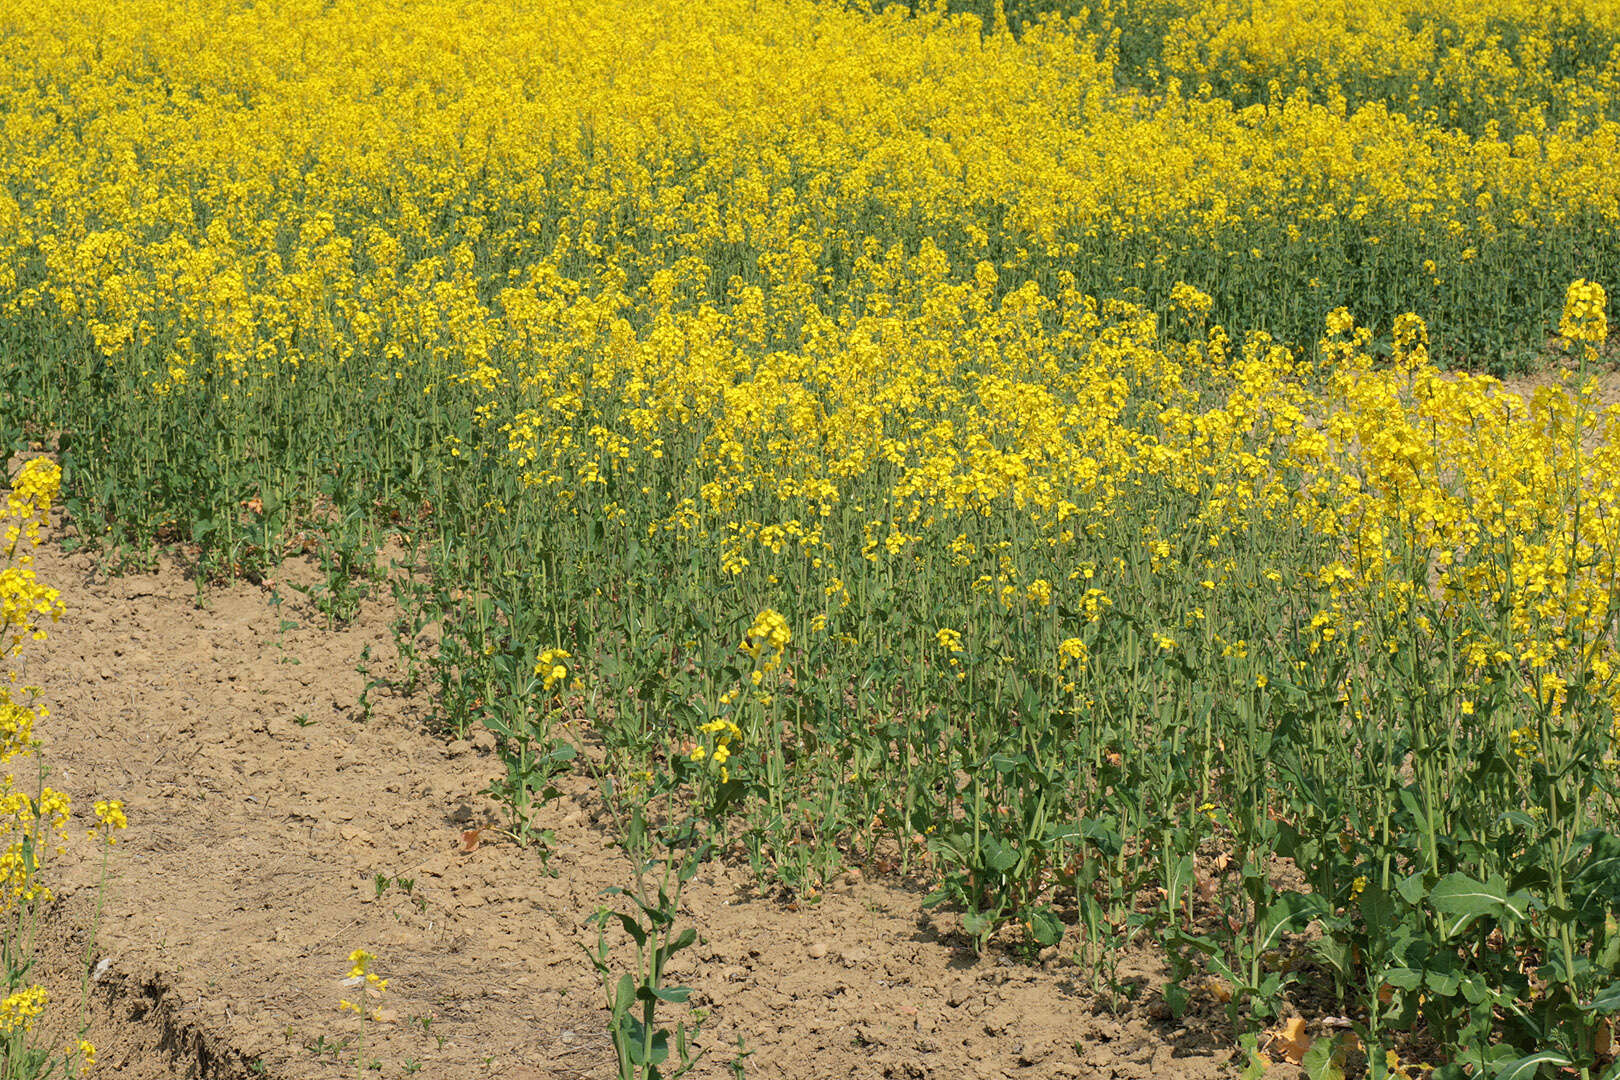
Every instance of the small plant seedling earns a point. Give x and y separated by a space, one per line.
426 1024
381 883
323 1046
738 1071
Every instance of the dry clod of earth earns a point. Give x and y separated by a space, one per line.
262 808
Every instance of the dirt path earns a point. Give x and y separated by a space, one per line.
262 805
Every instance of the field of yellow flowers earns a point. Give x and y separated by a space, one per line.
1007 444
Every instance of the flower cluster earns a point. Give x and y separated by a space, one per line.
25 602
767 641
20 1009
1585 319
371 986
769 631
717 736
28 506
551 668
110 819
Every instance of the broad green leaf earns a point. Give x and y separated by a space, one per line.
625 994
1403 978
1607 1000
632 928
1527 1067
1290 912
977 924
1462 899
1410 888
681 941
1319 1061
1002 857
1045 928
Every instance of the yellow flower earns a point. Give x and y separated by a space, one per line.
110 815
551 667
1585 317
20 1009
360 962
770 629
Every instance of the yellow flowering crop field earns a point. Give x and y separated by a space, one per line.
1039 449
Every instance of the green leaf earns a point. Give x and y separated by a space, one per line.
1462 899
1410 888
1609 957
1335 952
1103 836
1409 800
1290 911
1255 1069
1442 983
1475 990
1527 1067
1002 857
1403 978
1607 1000
624 995
1319 1063
641 1054
632 928
682 940
1378 908
1045 928
1530 877
977 924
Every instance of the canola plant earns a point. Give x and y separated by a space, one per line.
1016 450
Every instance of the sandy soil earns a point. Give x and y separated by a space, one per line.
262 805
